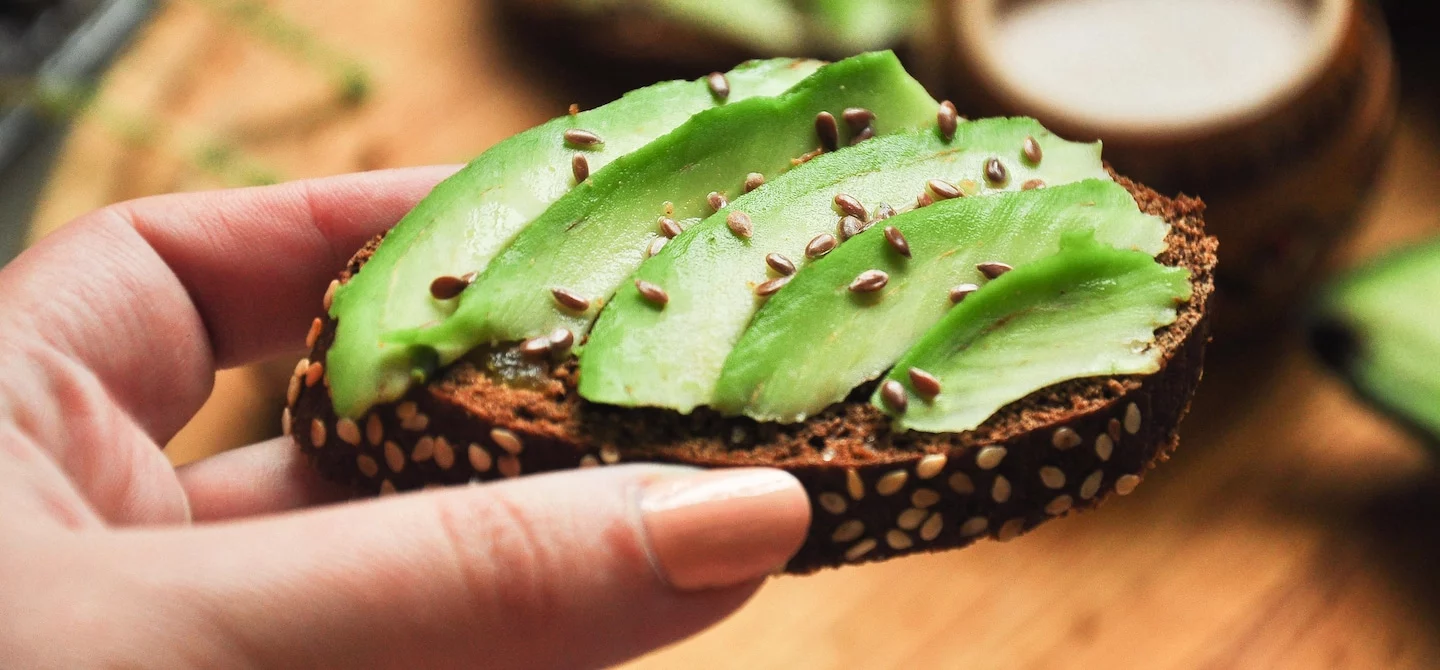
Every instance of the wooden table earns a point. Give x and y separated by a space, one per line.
1292 529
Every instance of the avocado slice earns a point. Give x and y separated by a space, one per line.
593 238
819 338
711 275
460 226
1090 310
848 26
1378 327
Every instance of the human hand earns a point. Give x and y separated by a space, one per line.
113 328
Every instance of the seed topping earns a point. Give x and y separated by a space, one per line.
962 292
314 334
897 241
884 211
925 384
374 430
574 109
448 287
975 525
719 85
771 286
317 433
931 464
823 244
716 200
1059 505
1065 438
1132 419
753 181
833 503
859 549
509 466
561 339
961 483
580 167
869 281
535 347
858 118
848 204
1052 477
570 299
329 298
1126 484
424 449
891 482
740 224
894 396
924 200
989 458
864 134
948 119
898 540
582 139
854 485
1032 184
923 498
1031 150
669 227
851 226
1091 485
655 246
394 457
506 440
828 132
367 465
932 526
480 459
348 431
654 294
780 264
848 531
1000 490
444 454
993 269
911 518
995 172
944 190
1104 446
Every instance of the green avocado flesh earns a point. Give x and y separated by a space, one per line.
639 355
1090 310
467 219
848 26
1379 327
816 340
594 237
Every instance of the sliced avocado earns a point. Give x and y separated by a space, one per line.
848 26
817 339
711 275
592 239
1379 327
469 217
1090 310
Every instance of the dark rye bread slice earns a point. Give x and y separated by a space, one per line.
875 493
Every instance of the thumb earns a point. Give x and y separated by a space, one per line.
574 569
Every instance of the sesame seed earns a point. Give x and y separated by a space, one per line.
1052 477
574 109
1000 490
780 264
652 293
480 459
589 461
286 421
848 531
374 430
609 455
911 518
924 383
348 431
805 157
329 299
988 458
716 200
1126 484
314 334
894 396
993 269
719 85
769 287
932 526
884 211
948 119
317 433
669 227
367 465
962 292
1059 505
943 190
300 367
313 373
417 422
859 549
995 172
891 482
851 226
740 224
828 132
1132 419
753 181
570 299
1104 446
847 204
1091 485
582 139
561 339
1031 150
898 540
923 200
292 391
507 440
962 484
823 244
655 246
897 241
387 488
579 168
864 134
535 347
924 497
858 118
424 449
930 465
1011 530
975 525
509 467
833 503
406 410
1065 438
444 453
869 281
394 457
1032 184
1113 429
854 485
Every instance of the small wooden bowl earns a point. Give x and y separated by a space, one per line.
1283 165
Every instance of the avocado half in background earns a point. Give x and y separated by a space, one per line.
945 329
1374 328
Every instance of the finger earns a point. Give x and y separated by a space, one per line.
263 478
577 569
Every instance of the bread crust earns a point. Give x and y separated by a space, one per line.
875 494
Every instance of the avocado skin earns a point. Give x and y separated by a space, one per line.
469 217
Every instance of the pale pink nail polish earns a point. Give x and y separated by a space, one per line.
724 527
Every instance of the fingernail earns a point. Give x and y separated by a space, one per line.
724 527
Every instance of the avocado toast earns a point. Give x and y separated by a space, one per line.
946 329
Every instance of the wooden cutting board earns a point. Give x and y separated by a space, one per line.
1292 529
